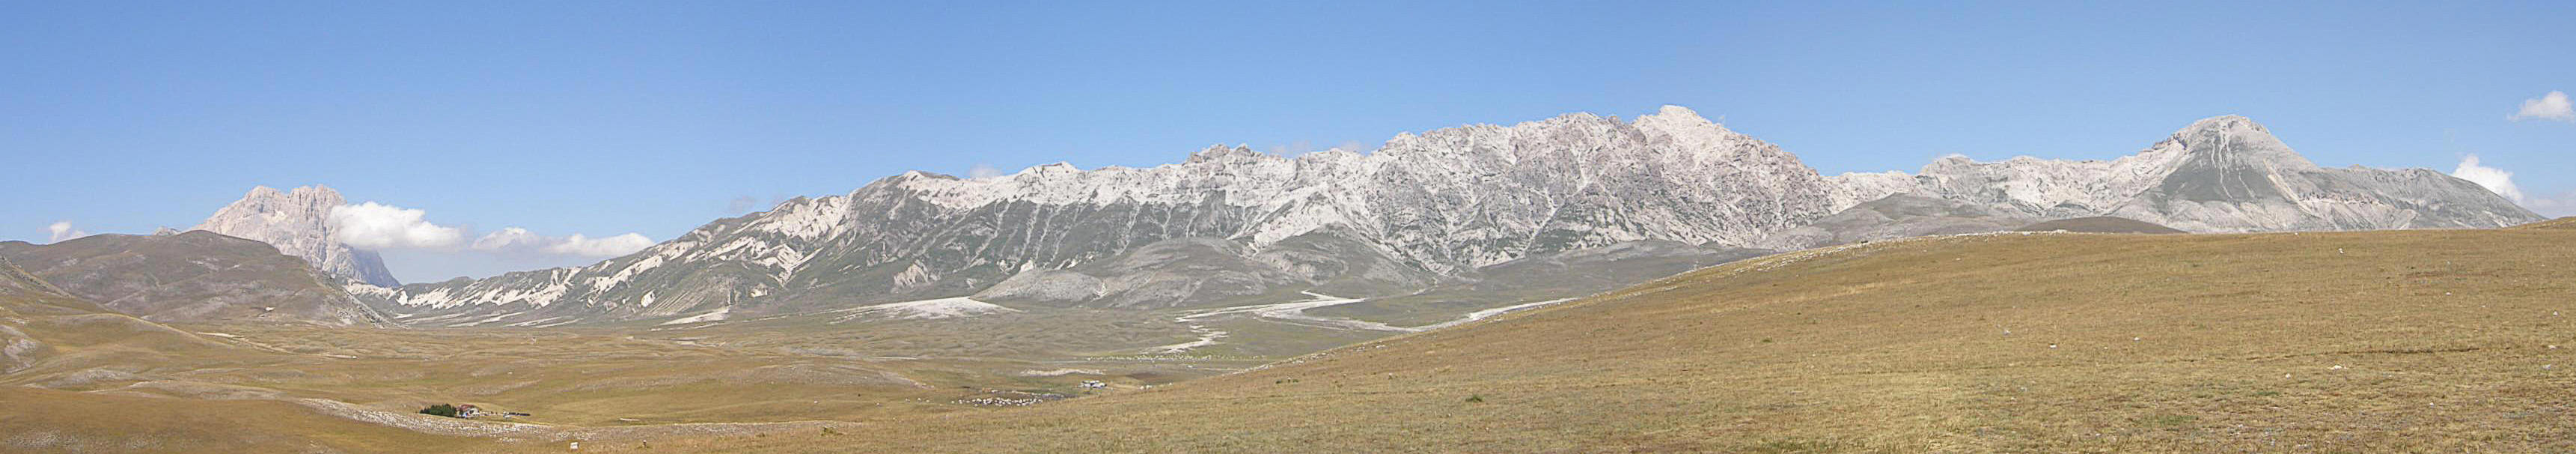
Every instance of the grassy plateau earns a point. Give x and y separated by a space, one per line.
2392 341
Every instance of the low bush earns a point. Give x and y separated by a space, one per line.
441 410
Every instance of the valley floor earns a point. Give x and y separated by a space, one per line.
633 383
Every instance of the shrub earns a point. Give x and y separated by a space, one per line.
2169 420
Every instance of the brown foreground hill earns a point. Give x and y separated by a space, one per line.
189 277
2565 223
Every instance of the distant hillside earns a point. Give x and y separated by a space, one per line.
1901 216
2565 223
23 297
2358 342
194 276
2099 224
16 282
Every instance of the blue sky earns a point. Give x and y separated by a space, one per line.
604 118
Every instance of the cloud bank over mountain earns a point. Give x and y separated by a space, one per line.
377 226
2493 179
62 230
317 224
520 240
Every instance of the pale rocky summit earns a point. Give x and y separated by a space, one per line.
1445 209
298 223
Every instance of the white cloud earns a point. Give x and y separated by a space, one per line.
2493 179
983 171
601 247
2560 206
2552 106
62 230
512 238
519 240
372 225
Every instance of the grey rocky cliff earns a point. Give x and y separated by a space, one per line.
298 223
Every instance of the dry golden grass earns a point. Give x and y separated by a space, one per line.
631 384
39 420
2345 342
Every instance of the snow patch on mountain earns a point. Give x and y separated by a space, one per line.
925 309
712 316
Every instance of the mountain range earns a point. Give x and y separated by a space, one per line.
1445 209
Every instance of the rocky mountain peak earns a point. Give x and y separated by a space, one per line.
263 200
2231 140
1057 168
1220 153
298 223
1678 118
2228 123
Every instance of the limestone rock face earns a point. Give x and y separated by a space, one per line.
298 223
